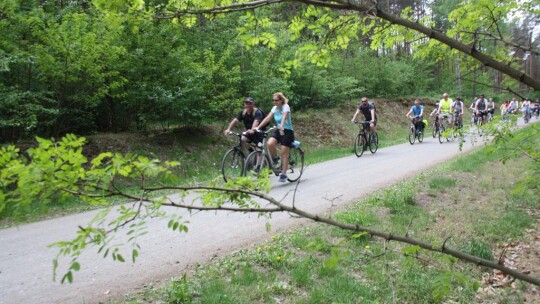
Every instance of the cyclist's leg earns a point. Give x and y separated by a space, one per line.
284 159
245 142
272 146
286 142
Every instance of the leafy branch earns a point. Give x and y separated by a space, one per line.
373 9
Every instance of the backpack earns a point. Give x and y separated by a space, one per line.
244 112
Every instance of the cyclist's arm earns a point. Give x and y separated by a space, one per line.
355 115
233 123
266 120
408 113
283 120
372 114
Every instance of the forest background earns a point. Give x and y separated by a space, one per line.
69 67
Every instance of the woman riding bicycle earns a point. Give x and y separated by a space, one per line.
458 107
284 135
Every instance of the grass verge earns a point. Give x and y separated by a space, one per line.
478 208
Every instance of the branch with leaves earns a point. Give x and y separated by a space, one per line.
371 9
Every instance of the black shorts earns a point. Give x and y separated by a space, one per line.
286 139
256 137
366 125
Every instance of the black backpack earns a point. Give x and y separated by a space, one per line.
254 111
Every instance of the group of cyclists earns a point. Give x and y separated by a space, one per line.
481 108
527 107
255 120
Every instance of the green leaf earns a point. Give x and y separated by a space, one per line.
134 255
410 250
75 266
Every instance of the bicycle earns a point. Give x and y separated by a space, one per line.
527 115
490 116
415 133
232 164
435 126
361 142
442 128
259 160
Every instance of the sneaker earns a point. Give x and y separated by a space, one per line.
282 178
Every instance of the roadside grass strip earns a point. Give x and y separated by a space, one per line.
467 203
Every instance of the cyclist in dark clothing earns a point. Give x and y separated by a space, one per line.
252 117
368 109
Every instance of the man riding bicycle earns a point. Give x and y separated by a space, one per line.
445 108
251 116
481 108
513 106
368 109
418 111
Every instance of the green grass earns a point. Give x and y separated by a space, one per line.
321 264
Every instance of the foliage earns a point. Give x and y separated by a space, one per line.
109 66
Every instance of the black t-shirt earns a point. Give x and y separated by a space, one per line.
248 119
366 110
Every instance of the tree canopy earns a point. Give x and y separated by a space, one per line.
126 64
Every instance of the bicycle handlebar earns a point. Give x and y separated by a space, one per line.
267 131
362 121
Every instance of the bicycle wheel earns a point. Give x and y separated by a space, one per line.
440 134
359 144
256 162
373 142
296 164
412 135
434 129
232 165
420 136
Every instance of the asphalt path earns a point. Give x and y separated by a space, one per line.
26 260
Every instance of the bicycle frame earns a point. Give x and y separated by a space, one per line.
232 164
260 159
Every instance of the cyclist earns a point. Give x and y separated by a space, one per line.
513 106
436 119
368 109
458 110
445 108
284 135
504 107
251 116
526 107
481 108
473 114
536 107
491 107
418 111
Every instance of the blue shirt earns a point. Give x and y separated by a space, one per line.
278 116
417 109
